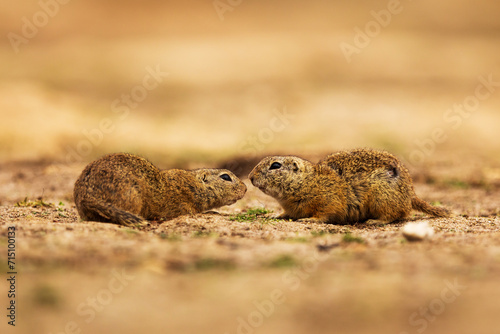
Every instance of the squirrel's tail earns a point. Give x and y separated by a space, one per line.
423 206
92 209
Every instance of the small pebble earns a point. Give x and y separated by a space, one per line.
417 231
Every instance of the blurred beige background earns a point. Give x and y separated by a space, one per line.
420 78
73 75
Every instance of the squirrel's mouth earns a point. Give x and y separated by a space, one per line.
263 187
268 191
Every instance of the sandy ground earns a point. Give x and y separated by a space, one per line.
187 86
227 273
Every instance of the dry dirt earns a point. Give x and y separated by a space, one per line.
269 78
223 273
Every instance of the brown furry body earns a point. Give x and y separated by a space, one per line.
345 187
126 189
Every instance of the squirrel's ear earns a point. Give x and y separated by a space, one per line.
393 170
295 167
336 168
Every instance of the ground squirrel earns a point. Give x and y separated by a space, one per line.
345 187
126 189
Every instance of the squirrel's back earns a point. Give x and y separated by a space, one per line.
381 182
126 189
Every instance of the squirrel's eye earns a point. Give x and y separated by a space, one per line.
275 165
226 177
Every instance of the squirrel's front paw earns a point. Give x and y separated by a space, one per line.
283 216
311 220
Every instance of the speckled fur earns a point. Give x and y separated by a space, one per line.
303 189
345 187
126 189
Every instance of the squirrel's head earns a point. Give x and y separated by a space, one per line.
219 187
279 176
